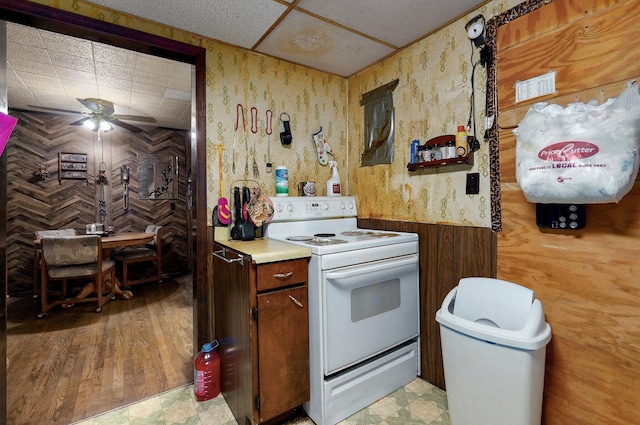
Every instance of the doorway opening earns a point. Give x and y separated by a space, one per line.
58 21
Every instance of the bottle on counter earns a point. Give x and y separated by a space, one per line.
462 146
282 181
333 184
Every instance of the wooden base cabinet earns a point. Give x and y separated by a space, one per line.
262 324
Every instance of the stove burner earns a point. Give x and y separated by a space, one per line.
356 233
322 241
383 235
299 238
324 235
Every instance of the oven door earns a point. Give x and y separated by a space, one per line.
367 309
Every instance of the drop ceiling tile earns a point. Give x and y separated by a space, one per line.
21 97
114 55
39 68
74 74
64 60
148 89
151 79
180 85
65 44
146 105
395 23
30 53
303 39
110 82
77 89
37 80
52 100
178 95
171 108
21 34
114 71
240 22
153 65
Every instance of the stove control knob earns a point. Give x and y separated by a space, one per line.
350 205
342 206
325 206
289 207
279 208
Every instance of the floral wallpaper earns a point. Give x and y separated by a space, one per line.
432 98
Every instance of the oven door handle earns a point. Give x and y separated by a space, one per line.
372 269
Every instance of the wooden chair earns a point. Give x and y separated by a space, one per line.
151 254
37 255
75 257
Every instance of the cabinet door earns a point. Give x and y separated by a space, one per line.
233 330
283 350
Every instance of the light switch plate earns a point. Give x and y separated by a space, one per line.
473 183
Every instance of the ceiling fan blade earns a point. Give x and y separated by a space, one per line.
80 121
123 124
67 111
133 118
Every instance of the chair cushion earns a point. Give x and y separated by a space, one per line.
133 253
79 270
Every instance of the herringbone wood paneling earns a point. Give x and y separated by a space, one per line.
34 204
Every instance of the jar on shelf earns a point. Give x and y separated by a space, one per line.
427 154
437 152
449 150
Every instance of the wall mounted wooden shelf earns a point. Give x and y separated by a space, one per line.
72 166
442 140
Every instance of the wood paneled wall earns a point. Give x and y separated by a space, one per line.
447 254
34 204
585 279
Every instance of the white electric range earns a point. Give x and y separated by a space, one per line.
363 303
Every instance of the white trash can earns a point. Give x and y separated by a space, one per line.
494 338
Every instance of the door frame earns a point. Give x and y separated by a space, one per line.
56 20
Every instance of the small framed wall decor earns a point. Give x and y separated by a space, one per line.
72 166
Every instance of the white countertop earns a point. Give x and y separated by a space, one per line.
262 250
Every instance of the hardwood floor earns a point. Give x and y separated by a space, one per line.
77 363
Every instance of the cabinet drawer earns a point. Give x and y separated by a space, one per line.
284 273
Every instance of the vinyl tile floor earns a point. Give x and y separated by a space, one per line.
416 403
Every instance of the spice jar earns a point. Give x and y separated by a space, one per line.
427 154
437 152
450 150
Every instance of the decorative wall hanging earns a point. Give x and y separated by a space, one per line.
124 175
72 166
157 177
102 202
379 127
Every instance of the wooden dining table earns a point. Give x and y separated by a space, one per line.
121 240
116 240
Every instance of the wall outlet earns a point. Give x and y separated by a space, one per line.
473 183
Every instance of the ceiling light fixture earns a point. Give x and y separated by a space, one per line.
94 123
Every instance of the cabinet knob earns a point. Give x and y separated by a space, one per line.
283 276
296 302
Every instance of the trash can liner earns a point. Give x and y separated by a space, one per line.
493 301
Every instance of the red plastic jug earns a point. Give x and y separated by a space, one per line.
206 372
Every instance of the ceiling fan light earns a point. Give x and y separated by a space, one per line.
105 126
91 124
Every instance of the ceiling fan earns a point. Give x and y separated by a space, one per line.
102 111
